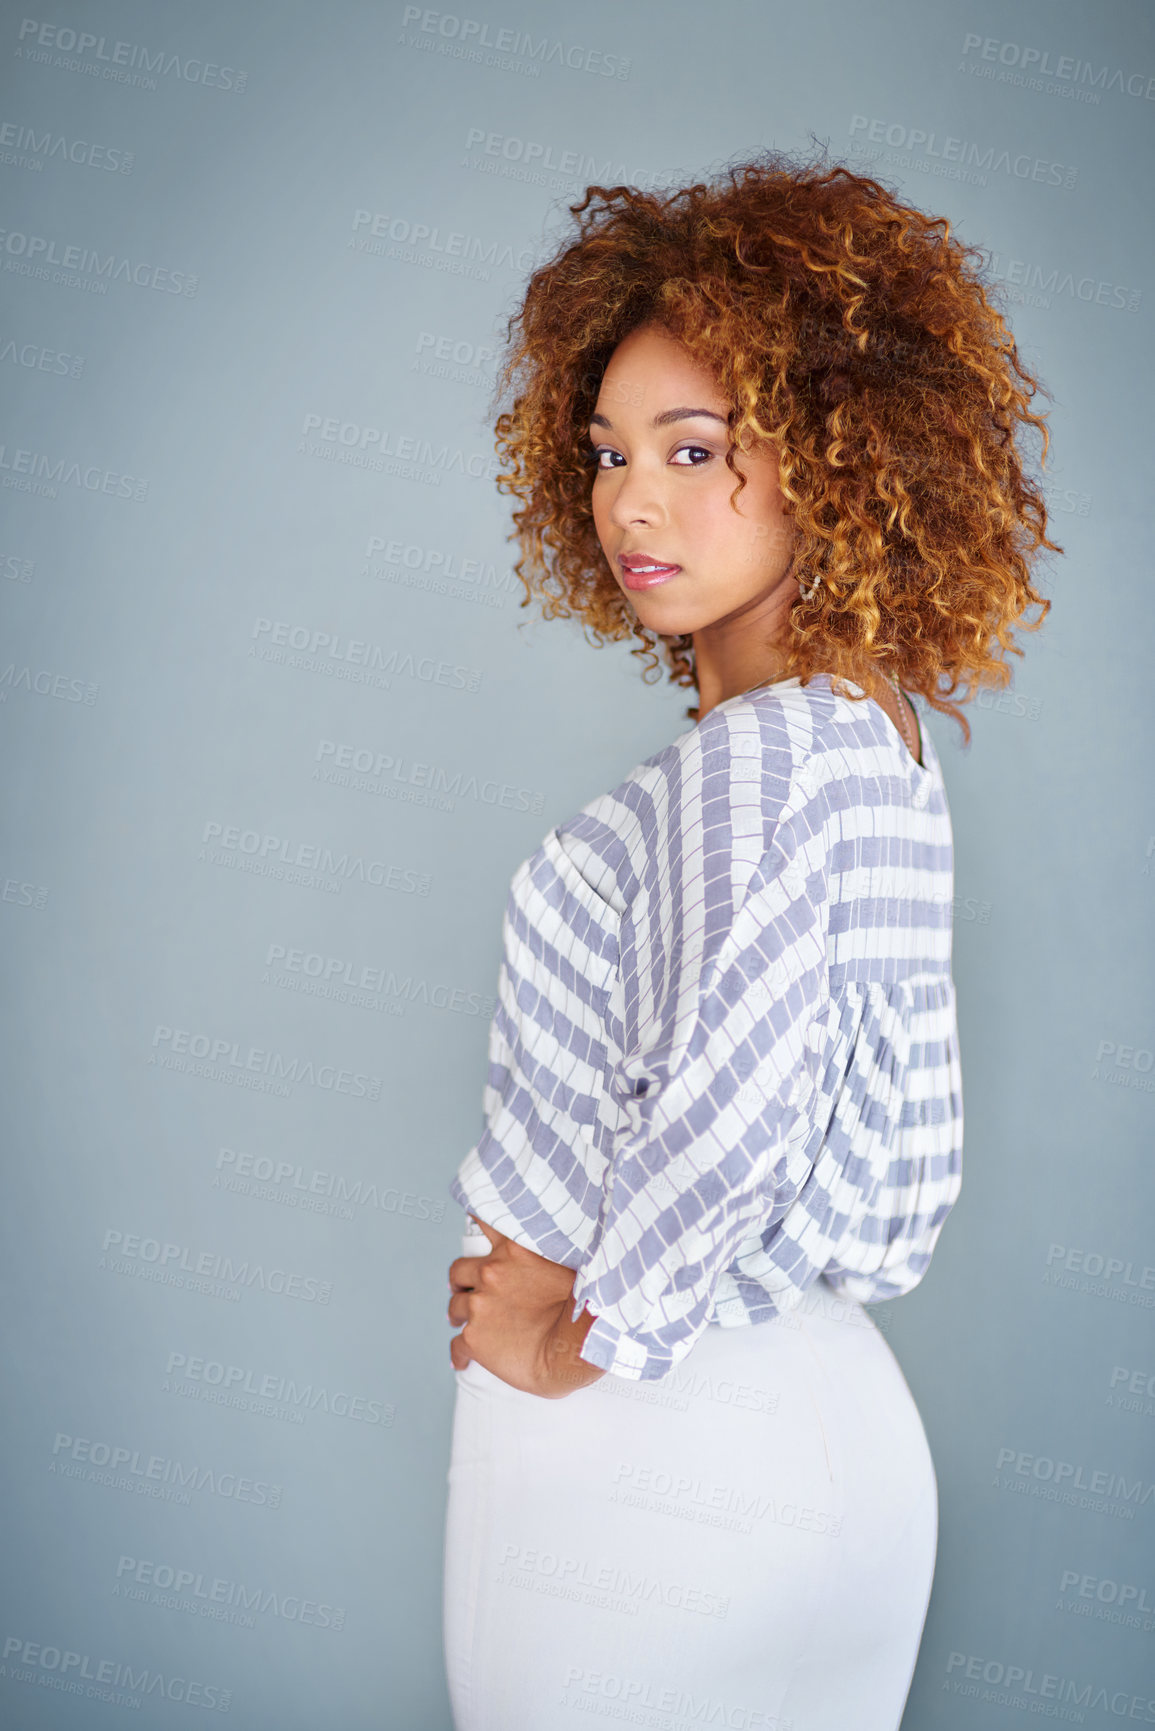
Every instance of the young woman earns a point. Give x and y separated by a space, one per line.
770 426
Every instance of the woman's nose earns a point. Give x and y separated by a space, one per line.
636 500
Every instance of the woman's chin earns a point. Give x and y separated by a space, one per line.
666 615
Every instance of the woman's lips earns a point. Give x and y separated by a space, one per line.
648 576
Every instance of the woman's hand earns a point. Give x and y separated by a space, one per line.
516 1308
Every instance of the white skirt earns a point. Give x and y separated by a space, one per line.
749 1541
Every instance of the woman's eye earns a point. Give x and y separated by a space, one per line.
595 456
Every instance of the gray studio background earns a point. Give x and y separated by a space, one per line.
275 736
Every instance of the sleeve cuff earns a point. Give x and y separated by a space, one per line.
611 1349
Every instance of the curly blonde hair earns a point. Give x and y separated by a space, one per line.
854 333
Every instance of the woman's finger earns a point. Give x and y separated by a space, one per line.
463 1272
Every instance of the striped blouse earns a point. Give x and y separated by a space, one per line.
724 1060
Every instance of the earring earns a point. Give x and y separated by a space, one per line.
808 594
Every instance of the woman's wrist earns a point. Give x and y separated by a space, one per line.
563 1370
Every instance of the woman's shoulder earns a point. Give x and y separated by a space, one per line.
703 808
841 741
774 748
779 760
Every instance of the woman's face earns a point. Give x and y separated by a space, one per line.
661 494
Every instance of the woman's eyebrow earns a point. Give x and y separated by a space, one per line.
665 418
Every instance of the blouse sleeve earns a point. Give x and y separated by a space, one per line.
709 1081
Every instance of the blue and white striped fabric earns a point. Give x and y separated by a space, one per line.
724 1059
